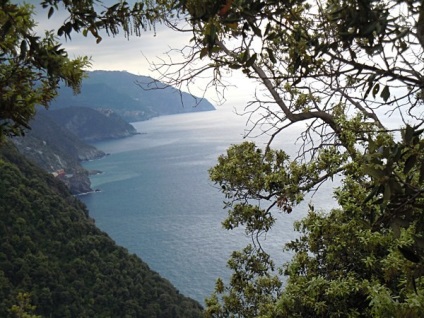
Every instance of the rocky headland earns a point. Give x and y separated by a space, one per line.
59 139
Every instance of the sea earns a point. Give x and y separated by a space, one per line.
156 200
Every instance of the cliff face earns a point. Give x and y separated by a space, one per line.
58 152
57 140
54 134
92 125
132 97
51 250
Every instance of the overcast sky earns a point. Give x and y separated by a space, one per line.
116 53
133 55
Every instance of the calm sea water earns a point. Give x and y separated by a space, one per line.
156 199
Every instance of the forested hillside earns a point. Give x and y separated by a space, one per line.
92 125
51 249
54 148
132 97
57 141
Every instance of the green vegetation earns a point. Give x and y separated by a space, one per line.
53 148
364 259
51 250
351 73
23 309
30 68
91 125
54 262
132 97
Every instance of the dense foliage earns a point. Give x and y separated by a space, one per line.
92 125
31 68
52 251
351 72
362 259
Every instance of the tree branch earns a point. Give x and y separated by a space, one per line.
326 117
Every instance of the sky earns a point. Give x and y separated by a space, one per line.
136 54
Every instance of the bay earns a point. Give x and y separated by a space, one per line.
157 201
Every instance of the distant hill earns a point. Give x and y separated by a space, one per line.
57 141
57 151
92 125
52 250
130 96
54 133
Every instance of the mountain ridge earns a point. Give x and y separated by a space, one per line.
133 97
108 100
57 151
91 125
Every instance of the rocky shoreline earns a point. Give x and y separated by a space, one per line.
60 152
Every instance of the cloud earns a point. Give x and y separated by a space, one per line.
135 54
113 53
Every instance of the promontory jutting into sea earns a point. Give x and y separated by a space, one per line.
150 190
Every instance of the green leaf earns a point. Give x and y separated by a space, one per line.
51 11
370 81
372 194
418 132
256 30
387 193
212 34
409 254
271 55
397 152
297 63
252 60
374 173
409 163
6 27
385 93
203 52
24 49
408 134
267 29
402 33
375 89
395 187
234 66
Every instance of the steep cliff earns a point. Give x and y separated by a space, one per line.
51 250
57 151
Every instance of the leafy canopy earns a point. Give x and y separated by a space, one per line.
351 71
30 68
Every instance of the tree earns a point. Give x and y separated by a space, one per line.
31 68
344 69
364 258
24 308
